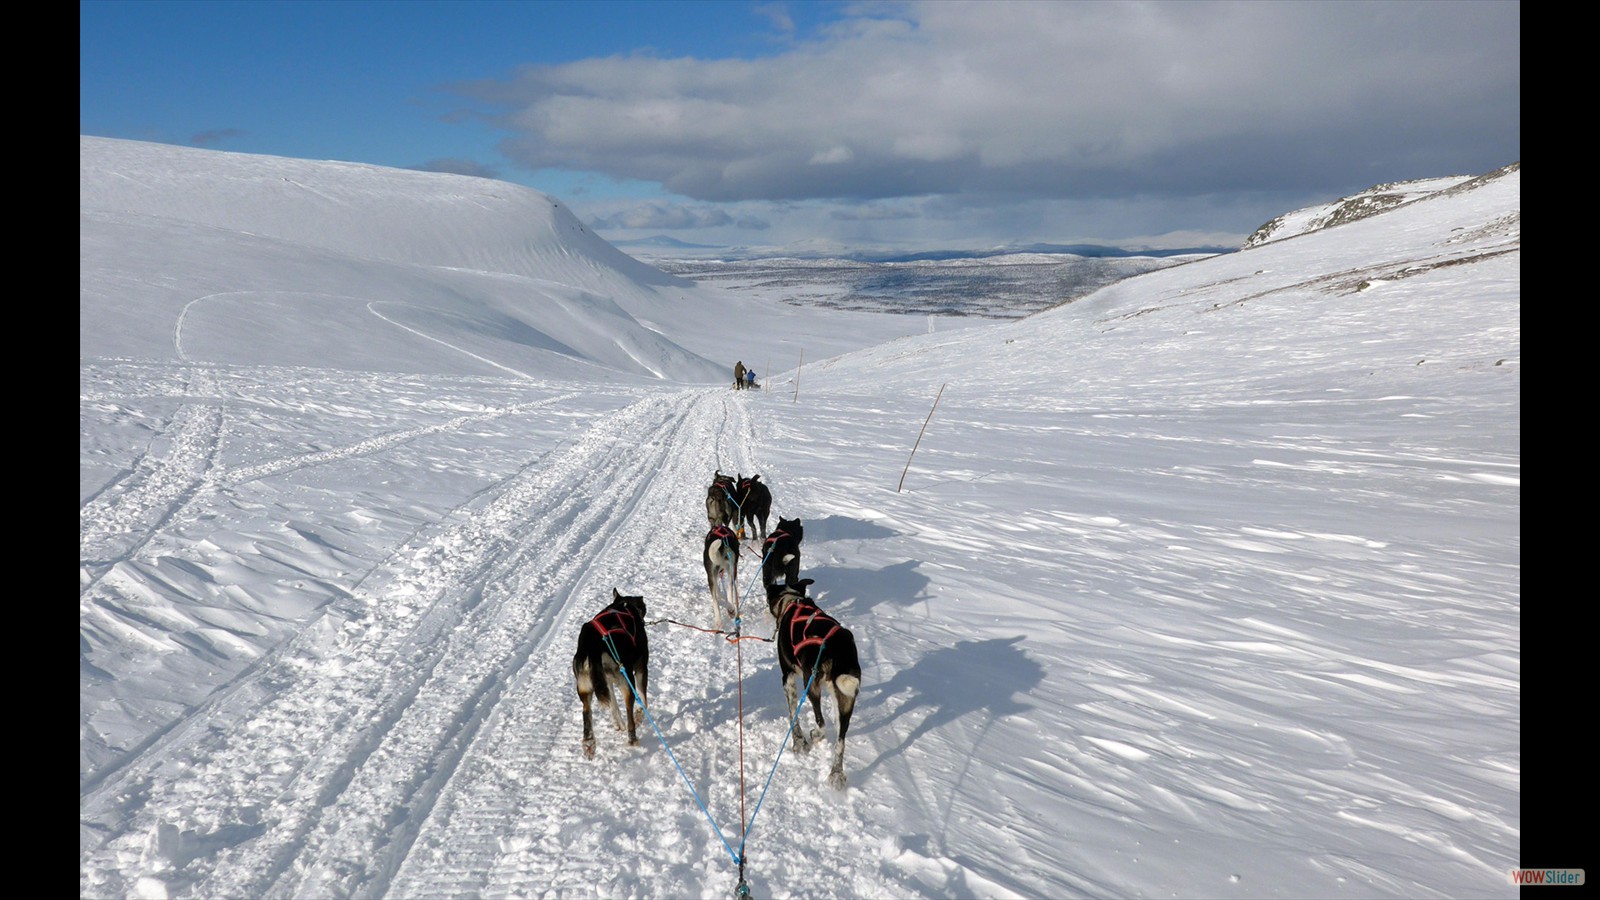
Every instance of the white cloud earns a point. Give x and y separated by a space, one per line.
834 155
664 215
1059 99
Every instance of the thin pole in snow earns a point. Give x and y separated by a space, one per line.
919 438
797 375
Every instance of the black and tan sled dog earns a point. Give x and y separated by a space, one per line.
616 634
781 553
720 508
722 571
815 651
755 505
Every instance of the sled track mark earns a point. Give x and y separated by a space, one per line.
404 684
358 852
121 518
525 797
193 438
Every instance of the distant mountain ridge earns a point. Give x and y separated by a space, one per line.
665 243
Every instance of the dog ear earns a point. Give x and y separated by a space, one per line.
616 594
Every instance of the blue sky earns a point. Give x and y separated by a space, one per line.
911 125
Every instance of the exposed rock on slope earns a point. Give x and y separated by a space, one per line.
1376 199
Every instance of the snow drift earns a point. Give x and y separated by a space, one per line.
1206 584
356 267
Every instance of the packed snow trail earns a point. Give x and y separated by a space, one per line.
120 518
134 539
423 740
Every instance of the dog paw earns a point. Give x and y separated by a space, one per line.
836 779
588 749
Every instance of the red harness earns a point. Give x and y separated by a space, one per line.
722 533
621 623
808 625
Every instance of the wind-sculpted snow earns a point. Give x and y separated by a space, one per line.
1205 584
443 684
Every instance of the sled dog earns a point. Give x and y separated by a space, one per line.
815 651
755 505
781 553
720 509
722 571
611 645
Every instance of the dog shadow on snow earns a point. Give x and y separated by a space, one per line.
844 528
846 592
851 593
985 677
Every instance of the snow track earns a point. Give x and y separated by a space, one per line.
445 685
120 519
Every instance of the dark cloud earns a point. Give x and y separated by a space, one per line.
1068 100
665 215
872 212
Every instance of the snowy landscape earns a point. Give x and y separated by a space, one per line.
1204 584
1005 287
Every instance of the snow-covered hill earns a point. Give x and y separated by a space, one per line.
1205 585
1371 201
186 251
1339 306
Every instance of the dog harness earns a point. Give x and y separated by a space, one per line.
808 625
724 487
612 621
773 537
722 533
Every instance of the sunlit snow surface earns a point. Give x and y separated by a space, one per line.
1204 585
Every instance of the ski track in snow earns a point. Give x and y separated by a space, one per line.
449 688
180 466
118 520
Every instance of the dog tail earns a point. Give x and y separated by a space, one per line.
846 664
848 685
602 684
590 669
580 673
